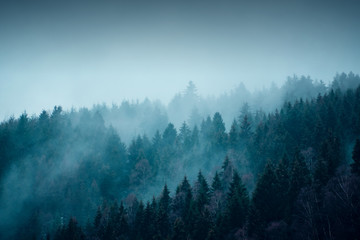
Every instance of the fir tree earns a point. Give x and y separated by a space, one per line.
162 217
179 232
237 203
355 166
202 192
216 183
234 135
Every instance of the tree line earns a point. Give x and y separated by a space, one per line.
60 166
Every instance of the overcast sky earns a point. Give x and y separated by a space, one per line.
77 53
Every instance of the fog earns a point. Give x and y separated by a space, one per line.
80 53
60 164
104 101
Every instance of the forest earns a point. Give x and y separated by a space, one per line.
287 166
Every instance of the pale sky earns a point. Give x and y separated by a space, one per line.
78 53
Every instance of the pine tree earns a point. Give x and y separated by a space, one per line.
195 137
255 224
162 217
299 177
245 129
97 220
226 173
216 183
202 192
217 199
321 174
182 201
169 135
264 198
149 227
139 223
199 216
283 184
122 228
202 224
219 136
73 231
234 135
237 203
185 137
179 232
355 166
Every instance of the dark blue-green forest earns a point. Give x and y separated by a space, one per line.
287 168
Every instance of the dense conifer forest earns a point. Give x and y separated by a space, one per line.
287 168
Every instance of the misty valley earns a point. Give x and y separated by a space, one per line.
276 163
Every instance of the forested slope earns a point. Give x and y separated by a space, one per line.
275 175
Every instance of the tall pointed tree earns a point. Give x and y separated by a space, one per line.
162 218
355 166
237 203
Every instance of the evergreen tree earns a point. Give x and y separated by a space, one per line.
122 227
255 224
282 188
237 203
162 217
185 137
299 176
234 135
202 224
98 217
169 135
264 198
139 224
149 227
179 232
195 137
321 174
216 183
71 232
355 166
245 129
202 192
219 137
226 173
200 215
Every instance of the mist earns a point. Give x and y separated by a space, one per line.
107 106
66 163
76 53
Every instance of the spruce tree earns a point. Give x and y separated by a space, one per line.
202 192
237 203
355 166
282 187
299 177
234 135
179 232
216 183
162 217
264 198
139 224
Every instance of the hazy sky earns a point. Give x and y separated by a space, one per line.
77 53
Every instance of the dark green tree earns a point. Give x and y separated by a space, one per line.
355 166
202 192
185 138
179 232
299 176
162 217
282 188
234 135
264 198
237 203
216 183
219 136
